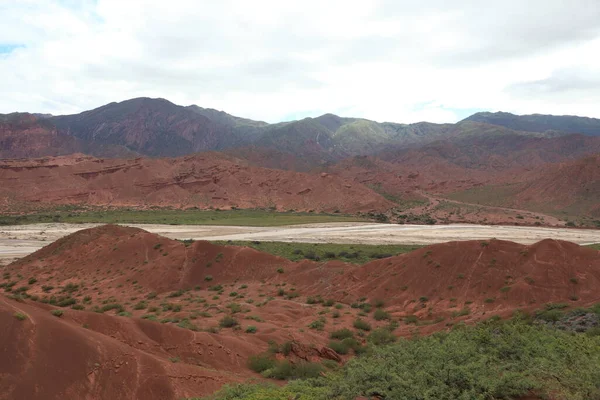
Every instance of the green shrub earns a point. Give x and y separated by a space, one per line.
261 362
362 325
177 293
228 322
339 347
57 313
20 316
381 336
381 315
318 324
341 334
302 370
251 329
140 305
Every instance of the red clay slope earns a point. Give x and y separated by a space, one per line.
203 180
96 356
574 186
46 357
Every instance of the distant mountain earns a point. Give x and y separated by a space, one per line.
331 138
159 128
153 127
24 135
540 122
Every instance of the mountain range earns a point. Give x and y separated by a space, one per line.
159 128
488 159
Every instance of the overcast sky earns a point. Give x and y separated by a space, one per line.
387 60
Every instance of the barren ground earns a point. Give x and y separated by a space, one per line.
20 240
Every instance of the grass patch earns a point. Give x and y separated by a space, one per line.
178 217
352 253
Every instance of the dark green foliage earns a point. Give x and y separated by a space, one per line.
140 305
380 315
362 325
341 334
318 324
228 322
495 360
261 362
177 293
352 253
381 336
57 313
339 347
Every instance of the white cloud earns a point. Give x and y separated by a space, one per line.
384 60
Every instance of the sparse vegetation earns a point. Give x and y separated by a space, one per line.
20 316
57 313
362 324
177 217
352 253
228 322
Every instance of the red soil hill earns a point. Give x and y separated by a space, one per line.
203 180
191 286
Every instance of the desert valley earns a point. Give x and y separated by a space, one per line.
282 251
299 200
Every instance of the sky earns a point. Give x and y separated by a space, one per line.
385 60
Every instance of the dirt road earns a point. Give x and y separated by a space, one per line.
18 241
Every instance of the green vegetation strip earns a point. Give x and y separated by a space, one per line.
180 217
352 253
594 246
493 360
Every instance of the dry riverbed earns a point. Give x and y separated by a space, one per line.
20 240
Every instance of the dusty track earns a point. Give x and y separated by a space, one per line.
18 241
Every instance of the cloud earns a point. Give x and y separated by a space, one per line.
268 60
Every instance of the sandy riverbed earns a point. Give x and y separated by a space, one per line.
18 241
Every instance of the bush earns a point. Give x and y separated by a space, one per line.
66 301
341 334
20 316
177 293
140 305
328 303
339 347
318 324
381 336
362 325
505 360
228 322
381 315
251 329
261 362
302 370
57 313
